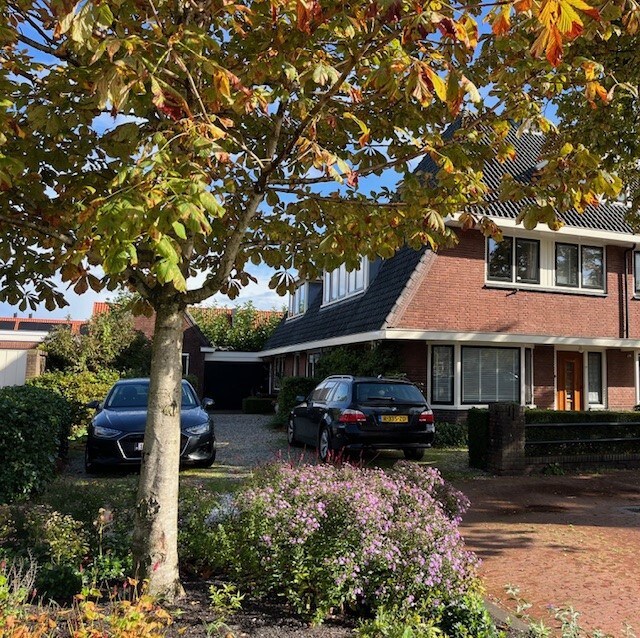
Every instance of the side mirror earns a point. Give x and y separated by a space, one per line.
93 405
207 404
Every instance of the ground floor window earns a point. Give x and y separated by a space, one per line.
185 364
594 377
490 374
312 362
442 371
277 372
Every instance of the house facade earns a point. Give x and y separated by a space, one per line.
20 357
544 318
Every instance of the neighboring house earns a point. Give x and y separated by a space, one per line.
20 358
193 340
230 375
547 319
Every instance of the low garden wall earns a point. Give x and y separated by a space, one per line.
507 439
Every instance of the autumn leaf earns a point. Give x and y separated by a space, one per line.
502 20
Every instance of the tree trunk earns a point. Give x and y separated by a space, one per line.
155 537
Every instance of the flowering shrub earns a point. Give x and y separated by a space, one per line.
325 537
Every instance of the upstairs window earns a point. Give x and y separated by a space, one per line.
298 300
513 260
340 283
580 266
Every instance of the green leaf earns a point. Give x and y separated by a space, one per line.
179 230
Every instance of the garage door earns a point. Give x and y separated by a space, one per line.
13 367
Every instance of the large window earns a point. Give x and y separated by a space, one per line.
513 260
442 374
298 300
490 374
636 271
580 266
340 283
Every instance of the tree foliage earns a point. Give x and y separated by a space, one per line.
110 342
244 328
166 145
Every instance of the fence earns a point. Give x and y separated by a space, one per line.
518 441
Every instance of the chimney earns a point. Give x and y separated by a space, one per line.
15 315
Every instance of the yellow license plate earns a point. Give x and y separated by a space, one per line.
394 418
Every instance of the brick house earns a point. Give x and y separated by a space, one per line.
20 358
545 318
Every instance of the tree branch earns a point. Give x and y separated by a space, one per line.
47 231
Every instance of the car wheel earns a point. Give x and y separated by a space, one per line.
413 454
291 432
209 461
324 444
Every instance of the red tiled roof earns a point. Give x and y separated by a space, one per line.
99 307
22 324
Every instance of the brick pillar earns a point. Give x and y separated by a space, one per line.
506 438
35 363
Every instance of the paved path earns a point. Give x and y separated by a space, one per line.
563 541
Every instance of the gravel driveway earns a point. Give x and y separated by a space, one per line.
247 440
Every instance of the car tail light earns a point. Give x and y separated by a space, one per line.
352 416
426 417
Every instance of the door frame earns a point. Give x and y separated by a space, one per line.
579 356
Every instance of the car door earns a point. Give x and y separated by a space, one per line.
317 410
302 416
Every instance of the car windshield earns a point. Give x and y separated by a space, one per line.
388 392
136 394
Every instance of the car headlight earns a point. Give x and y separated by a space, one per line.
203 428
105 433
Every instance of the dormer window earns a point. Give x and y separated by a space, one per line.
298 300
340 283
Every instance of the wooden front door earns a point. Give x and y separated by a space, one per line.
570 386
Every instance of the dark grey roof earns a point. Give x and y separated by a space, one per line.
608 216
362 313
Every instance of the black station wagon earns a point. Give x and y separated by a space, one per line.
361 413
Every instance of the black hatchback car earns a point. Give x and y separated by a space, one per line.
359 413
116 433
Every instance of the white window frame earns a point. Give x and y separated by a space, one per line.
513 240
298 300
339 284
185 363
603 380
580 247
312 362
277 371
547 257
457 375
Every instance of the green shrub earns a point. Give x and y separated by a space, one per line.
365 540
478 437
78 388
450 435
257 405
290 388
359 360
34 431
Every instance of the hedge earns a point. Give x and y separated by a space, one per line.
478 434
290 388
450 435
78 388
257 405
585 436
34 433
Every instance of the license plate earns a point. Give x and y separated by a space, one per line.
138 447
394 418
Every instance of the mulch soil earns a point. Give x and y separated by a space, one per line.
562 541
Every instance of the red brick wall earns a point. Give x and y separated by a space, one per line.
453 297
543 377
413 362
621 380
